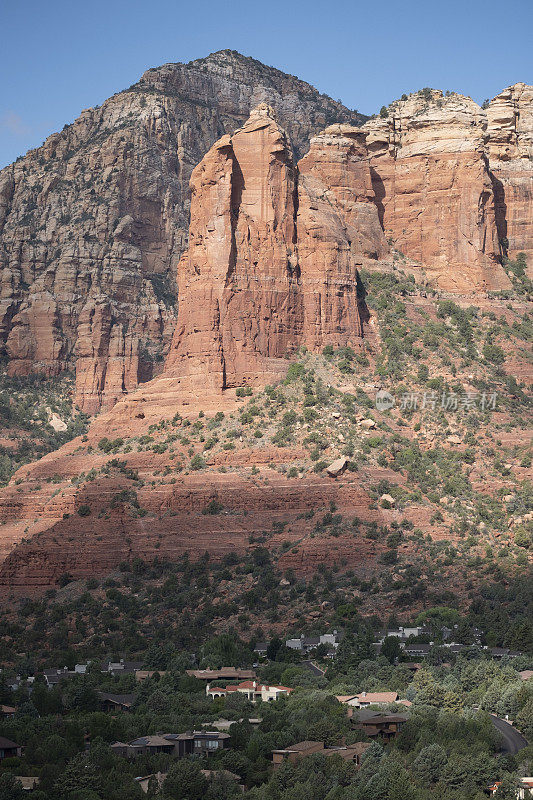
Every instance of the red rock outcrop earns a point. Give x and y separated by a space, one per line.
273 254
94 222
510 154
338 232
432 180
240 309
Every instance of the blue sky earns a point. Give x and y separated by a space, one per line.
59 57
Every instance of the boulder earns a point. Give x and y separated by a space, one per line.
337 467
454 439
368 424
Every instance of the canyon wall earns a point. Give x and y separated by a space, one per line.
240 307
338 232
454 183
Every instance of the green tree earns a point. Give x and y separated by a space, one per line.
10 789
524 720
391 648
429 763
79 774
185 781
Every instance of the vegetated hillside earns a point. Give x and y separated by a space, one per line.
434 500
93 222
37 416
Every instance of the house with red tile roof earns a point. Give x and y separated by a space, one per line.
524 791
252 690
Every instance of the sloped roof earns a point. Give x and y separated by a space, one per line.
377 697
7 743
301 747
120 699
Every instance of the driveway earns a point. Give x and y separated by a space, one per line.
512 740
313 667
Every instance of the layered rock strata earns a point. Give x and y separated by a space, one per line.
510 155
338 232
94 222
433 184
240 308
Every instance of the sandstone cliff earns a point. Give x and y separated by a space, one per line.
510 154
338 232
239 307
431 178
273 254
94 222
454 182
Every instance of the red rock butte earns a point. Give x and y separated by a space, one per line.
273 254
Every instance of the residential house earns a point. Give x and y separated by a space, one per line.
501 652
122 667
54 675
405 633
175 744
116 702
400 633
261 649
307 643
156 778
225 724
224 673
350 752
417 649
456 648
144 745
380 726
251 689
9 749
365 699
524 791
143 674
7 712
296 752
